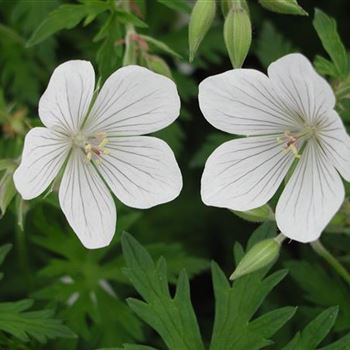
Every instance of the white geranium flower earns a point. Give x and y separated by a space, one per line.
288 116
101 147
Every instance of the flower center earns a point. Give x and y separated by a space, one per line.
293 141
92 146
290 142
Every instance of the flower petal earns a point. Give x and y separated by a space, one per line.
87 202
65 103
312 196
335 142
134 101
305 92
141 171
43 155
245 173
243 101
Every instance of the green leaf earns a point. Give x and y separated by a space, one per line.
126 17
172 318
288 7
271 45
341 344
325 67
326 28
314 332
7 164
17 320
7 191
66 16
177 5
275 319
320 288
23 324
109 54
235 306
80 281
160 45
4 250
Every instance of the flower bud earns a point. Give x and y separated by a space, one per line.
202 16
237 35
260 214
288 7
7 191
260 255
226 5
158 65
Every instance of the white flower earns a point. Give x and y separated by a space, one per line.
288 116
99 146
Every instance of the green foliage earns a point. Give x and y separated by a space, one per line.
67 16
235 306
271 44
173 318
326 29
321 289
95 284
288 7
313 334
177 5
160 46
18 321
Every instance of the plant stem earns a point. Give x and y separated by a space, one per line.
320 249
280 238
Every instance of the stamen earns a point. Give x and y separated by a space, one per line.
290 142
94 147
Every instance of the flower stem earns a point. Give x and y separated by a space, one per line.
321 250
280 238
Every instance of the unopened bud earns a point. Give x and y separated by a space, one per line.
237 35
260 255
158 65
7 191
261 214
288 7
226 5
202 16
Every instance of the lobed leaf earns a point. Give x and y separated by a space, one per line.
314 332
326 28
66 16
172 317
